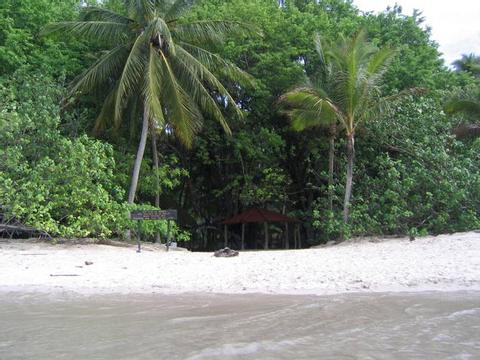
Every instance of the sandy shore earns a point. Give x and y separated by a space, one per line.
442 263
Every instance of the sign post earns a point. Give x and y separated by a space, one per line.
168 215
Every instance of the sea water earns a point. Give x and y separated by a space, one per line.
203 326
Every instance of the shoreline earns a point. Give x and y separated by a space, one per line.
444 263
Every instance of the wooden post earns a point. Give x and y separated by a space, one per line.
266 235
169 240
226 236
243 236
139 239
287 242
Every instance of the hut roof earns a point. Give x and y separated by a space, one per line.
258 215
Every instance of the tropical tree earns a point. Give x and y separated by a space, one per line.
467 103
351 96
158 67
468 63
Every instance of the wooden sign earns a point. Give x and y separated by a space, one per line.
153 214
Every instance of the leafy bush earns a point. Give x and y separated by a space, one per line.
64 186
69 187
413 176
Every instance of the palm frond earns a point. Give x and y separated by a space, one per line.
204 74
152 90
132 74
103 31
405 94
214 61
211 31
379 62
141 10
182 112
103 69
308 109
107 113
178 9
195 88
303 119
94 13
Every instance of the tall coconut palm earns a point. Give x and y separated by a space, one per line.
351 96
157 66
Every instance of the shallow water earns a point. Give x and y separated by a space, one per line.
354 326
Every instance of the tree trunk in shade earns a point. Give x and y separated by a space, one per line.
349 184
331 163
157 180
139 158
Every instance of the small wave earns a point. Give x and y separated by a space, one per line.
237 349
461 313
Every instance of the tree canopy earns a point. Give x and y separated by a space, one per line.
192 67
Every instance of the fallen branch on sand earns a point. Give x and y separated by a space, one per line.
64 274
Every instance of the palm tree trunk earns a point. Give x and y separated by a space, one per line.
157 180
139 158
331 159
349 184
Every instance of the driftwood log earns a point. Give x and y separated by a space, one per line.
226 252
18 229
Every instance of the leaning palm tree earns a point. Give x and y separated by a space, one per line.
351 96
157 66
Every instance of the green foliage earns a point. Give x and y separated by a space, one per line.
170 175
64 186
412 175
67 187
418 63
20 45
416 177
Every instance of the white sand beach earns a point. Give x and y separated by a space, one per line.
441 263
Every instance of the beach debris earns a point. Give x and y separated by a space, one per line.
226 252
11 227
88 263
64 275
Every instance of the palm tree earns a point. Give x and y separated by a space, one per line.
468 63
351 95
157 66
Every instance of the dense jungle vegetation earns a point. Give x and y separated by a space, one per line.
224 96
